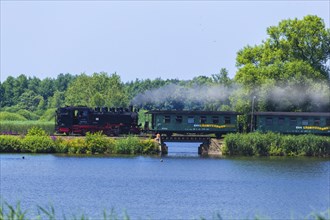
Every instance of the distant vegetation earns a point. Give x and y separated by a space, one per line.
22 126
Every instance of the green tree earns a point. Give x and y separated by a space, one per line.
34 84
294 57
8 98
30 101
57 100
47 88
222 78
300 43
97 89
63 81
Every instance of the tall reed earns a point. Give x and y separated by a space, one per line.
276 145
22 127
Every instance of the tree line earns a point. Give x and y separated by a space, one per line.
289 71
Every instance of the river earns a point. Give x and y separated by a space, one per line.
181 185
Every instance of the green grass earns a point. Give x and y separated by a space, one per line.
22 127
273 144
9 116
10 212
38 141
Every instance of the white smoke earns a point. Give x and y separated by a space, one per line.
281 97
197 93
284 97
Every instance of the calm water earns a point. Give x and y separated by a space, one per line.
183 186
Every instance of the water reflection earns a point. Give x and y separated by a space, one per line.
176 149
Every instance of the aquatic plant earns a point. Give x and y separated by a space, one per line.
128 145
272 144
10 212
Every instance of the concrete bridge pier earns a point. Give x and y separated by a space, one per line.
211 148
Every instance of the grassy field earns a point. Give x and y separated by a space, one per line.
22 127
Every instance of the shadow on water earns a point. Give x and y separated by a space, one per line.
182 150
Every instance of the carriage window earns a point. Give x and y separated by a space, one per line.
327 122
203 119
281 121
215 120
304 121
167 119
293 121
269 121
191 119
179 119
317 121
227 120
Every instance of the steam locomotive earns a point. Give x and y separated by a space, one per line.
116 121
111 121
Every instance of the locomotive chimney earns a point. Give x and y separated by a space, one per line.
131 108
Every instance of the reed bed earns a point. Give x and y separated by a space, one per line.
38 141
22 127
273 144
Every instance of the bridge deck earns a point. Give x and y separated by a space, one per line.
185 138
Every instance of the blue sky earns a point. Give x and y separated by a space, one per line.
137 39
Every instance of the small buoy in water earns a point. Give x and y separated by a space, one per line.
23 157
161 160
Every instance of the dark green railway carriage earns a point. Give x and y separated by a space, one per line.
193 122
293 122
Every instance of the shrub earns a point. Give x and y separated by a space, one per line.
149 146
128 145
10 144
99 143
60 145
76 146
38 144
36 131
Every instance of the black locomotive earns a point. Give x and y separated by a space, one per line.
111 121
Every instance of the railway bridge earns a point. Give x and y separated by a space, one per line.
209 145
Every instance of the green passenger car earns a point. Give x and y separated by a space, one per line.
193 122
293 122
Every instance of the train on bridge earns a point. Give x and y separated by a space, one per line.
118 121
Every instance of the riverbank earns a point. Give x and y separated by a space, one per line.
273 144
37 141
252 144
